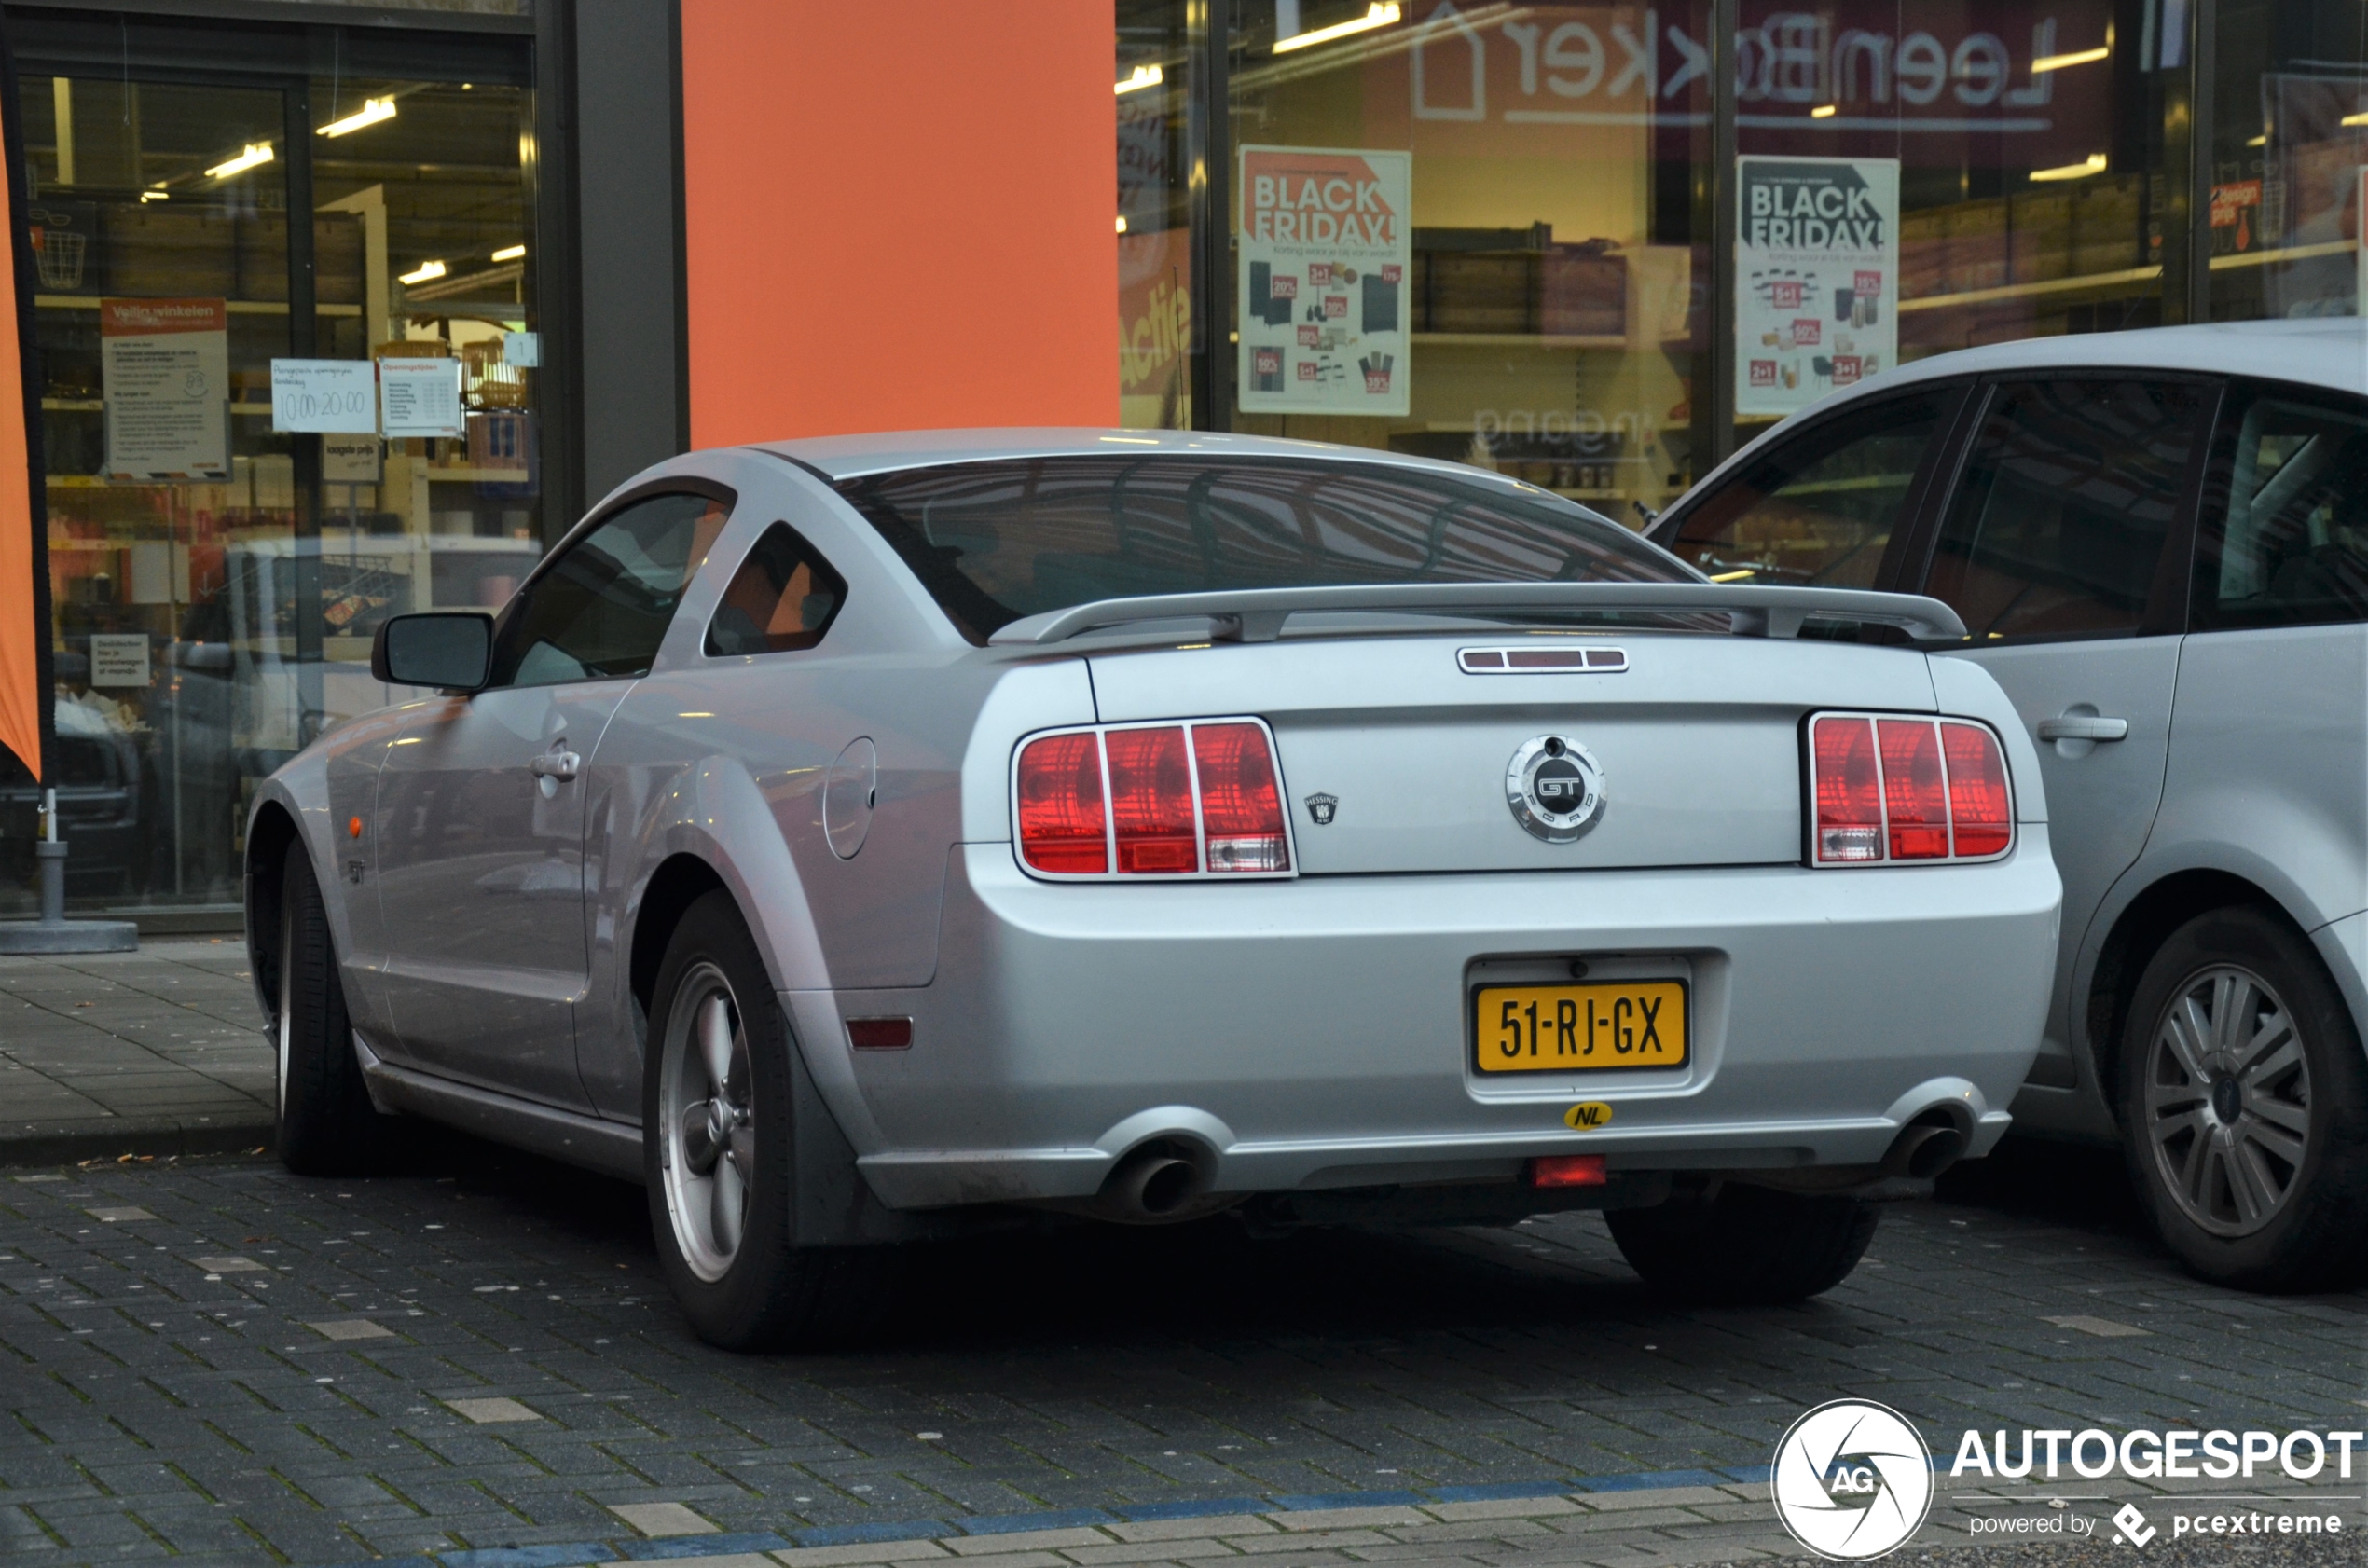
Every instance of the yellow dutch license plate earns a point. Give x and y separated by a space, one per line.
1588 1027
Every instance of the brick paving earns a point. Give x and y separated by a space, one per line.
159 1051
206 1359
230 1365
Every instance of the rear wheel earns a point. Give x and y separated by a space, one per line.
717 1114
327 1126
1746 1245
2245 1105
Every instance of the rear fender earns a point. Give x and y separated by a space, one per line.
713 811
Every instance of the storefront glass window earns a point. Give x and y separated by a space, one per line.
1918 178
1154 217
1478 233
2289 138
215 576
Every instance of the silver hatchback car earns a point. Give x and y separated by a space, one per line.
864 840
2158 543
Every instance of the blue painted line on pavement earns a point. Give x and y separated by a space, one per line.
1501 1491
860 1534
571 1553
1650 1481
1311 1502
1210 1507
1011 1524
711 1544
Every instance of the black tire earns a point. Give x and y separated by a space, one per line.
764 1292
327 1126
1746 1246
2212 1155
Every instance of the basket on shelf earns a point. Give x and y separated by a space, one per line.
59 255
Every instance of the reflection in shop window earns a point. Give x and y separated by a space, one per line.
216 578
1550 307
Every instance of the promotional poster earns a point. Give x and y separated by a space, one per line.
166 364
1816 278
1327 254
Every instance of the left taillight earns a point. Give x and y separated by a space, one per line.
1886 788
1198 799
1061 819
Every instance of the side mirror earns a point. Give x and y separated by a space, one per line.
446 649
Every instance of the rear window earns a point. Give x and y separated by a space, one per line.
993 542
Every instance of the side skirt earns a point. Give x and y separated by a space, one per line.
611 1147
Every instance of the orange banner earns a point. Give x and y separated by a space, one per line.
23 608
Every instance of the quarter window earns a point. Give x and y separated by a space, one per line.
600 609
2067 500
1819 508
2291 548
783 598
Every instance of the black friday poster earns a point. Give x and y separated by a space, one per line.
1326 256
1816 278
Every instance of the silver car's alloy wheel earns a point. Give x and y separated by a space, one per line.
706 1114
2227 1102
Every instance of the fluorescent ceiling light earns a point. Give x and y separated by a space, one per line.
2359 118
148 195
373 110
510 252
1121 222
1145 75
2094 165
2259 141
426 270
2078 57
1824 111
1380 13
251 155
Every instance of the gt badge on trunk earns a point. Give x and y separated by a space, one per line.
1555 787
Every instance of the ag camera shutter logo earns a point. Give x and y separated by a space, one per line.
1852 1480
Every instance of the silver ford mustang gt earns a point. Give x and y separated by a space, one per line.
864 840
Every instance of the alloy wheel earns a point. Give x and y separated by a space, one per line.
707 1116
2227 1101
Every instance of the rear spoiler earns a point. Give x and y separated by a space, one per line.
1257 615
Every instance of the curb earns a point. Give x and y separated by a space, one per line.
55 1143
792 1541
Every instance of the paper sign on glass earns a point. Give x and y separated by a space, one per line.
165 366
1816 278
421 397
328 396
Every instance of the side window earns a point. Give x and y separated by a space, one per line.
2068 496
782 598
600 611
1820 507
2291 548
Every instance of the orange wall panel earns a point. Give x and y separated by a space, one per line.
898 216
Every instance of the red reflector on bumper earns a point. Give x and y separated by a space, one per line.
880 1034
1567 1170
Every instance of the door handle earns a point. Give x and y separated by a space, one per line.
2079 726
556 764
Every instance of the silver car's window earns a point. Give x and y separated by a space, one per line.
1820 505
599 610
782 599
993 542
2059 524
2292 545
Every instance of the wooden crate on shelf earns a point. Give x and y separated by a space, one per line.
2108 231
2041 235
1582 291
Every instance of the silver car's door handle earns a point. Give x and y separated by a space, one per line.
2075 726
556 764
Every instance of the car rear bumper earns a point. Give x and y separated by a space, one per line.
1314 1034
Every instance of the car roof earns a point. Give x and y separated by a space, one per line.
849 457
2321 352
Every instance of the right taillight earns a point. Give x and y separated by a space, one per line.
1198 799
1887 788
